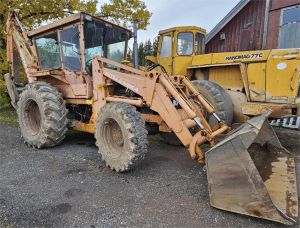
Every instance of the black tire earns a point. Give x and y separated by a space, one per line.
121 136
42 115
218 98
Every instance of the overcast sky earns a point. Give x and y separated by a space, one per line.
170 13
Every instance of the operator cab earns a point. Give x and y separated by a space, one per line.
177 46
71 43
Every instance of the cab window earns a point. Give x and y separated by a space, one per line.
104 41
48 51
166 46
199 44
185 43
70 48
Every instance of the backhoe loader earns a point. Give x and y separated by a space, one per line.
254 80
76 81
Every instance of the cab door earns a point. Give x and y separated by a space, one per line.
165 55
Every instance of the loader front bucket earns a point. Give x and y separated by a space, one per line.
251 173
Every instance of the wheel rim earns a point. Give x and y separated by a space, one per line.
32 117
114 138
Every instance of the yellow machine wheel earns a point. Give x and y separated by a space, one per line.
121 136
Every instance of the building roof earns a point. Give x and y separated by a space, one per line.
226 19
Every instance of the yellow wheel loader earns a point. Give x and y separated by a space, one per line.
254 80
75 81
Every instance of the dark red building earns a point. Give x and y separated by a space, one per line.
257 24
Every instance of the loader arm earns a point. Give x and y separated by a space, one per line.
157 91
18 40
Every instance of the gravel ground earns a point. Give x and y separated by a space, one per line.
68 186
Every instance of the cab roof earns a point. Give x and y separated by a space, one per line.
183 29
71 20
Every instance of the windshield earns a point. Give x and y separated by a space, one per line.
48 51
105 41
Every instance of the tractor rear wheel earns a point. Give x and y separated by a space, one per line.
218 98
121 136
220 101
42 115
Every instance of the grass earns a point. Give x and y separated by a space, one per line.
8 116
4 99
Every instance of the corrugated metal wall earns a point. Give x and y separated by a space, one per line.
243 32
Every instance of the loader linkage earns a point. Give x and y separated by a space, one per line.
158 91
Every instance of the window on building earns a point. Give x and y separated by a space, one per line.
185 43
48 51
199 44
289 36
70 48
166 46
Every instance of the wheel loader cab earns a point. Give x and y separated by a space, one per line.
177 46
71 46
68 46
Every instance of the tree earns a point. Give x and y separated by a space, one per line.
145 49
148 47
155 46
141 53
127 11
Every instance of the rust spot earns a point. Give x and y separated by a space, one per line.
257 209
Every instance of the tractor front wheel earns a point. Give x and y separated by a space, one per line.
121 136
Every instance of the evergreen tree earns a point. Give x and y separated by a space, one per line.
141 53
148 47
155 46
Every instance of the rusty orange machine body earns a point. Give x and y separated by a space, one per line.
62 61
76 80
